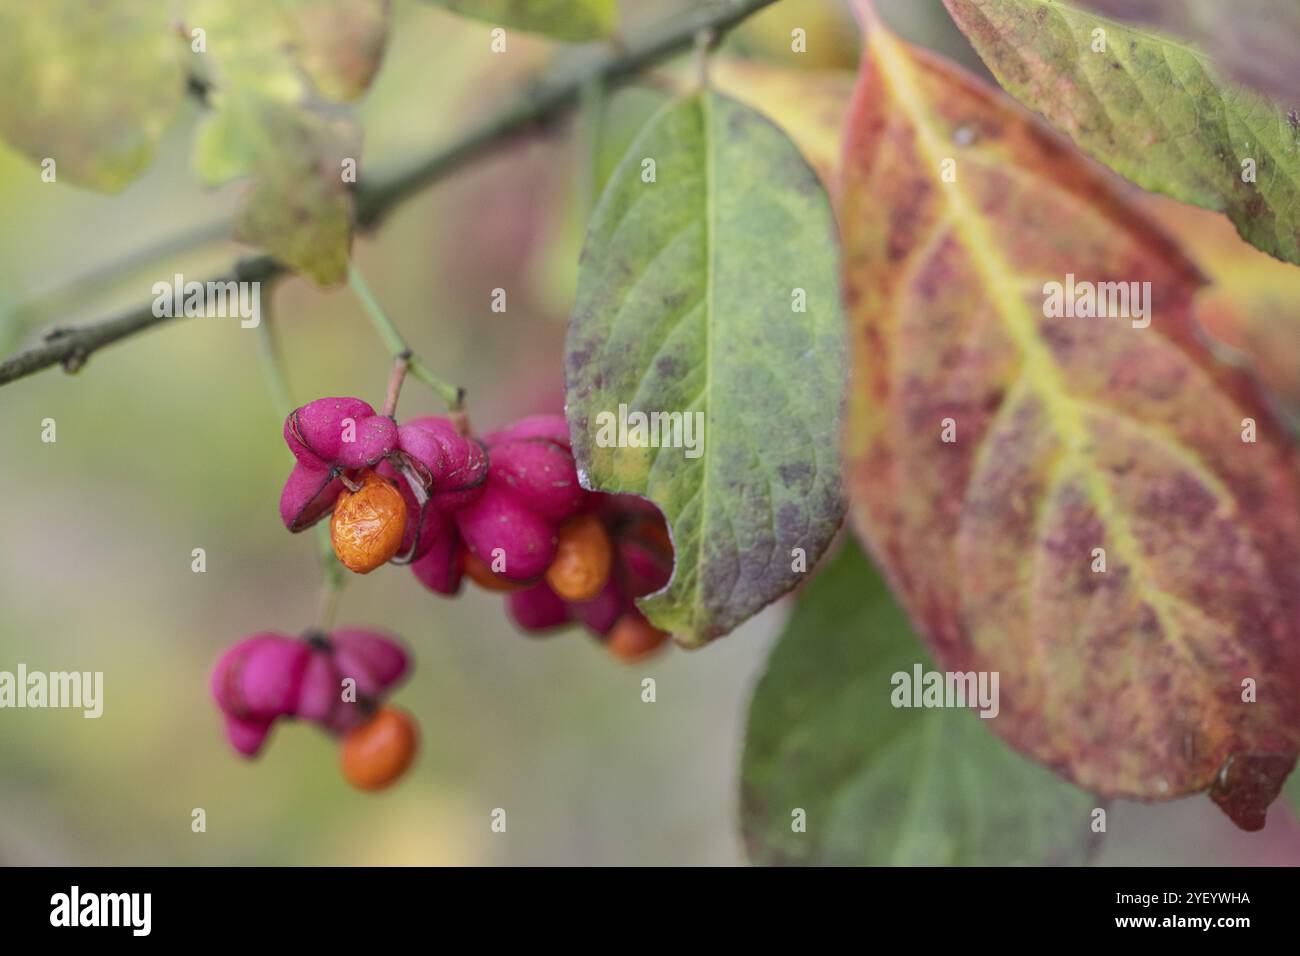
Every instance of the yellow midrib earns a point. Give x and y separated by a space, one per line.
1039 368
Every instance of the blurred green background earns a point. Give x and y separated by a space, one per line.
170 442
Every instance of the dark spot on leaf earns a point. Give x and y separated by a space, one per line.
795 474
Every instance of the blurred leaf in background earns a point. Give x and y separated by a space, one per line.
254 57
298 205
573 20
881 785
90 85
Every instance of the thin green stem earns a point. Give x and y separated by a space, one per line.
332 576
393 340
273 367
332 579
453 395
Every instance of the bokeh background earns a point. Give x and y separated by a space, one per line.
171 441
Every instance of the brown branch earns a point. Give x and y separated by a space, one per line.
549 98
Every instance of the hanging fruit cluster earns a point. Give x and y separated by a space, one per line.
507 511
336 681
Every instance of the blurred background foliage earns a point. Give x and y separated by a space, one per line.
170 442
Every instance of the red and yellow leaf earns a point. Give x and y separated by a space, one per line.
1071 434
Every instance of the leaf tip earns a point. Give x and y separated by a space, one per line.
1247 783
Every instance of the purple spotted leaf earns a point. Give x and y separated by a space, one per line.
705 365
1090 506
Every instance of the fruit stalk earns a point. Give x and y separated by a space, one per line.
453 395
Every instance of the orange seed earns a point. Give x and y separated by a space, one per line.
633 637
367 525
378 752
583 558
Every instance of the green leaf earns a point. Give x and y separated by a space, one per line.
882 785
1256 42
272 46
297 207
809 105
574 20
90 85
242 44
1153 109
686 304
258 56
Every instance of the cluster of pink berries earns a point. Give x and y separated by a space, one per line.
336 681
506 511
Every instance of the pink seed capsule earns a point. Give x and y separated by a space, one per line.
497 526
540 475
309 494
602 612
247 735
645 564
315 432
260 676
537 608
321 697
268 676
377 661
457 466
440 568
368 442
374 663
552 427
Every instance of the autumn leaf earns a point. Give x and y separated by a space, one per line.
1151 108
296 205
1073 445
708 291
878 785
90 86
575 20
